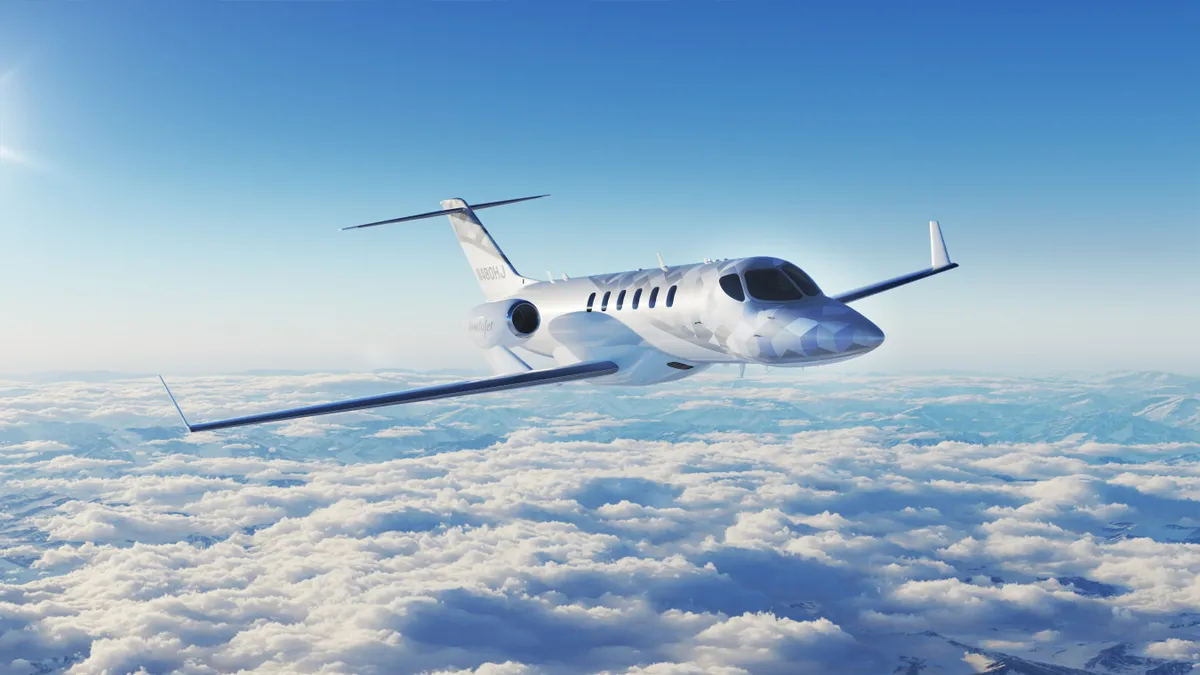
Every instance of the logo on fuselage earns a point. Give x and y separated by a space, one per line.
480 325
490 273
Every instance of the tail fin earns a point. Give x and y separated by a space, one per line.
496 275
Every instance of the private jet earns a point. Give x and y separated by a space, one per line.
639 328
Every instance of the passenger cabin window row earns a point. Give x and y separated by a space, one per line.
637 299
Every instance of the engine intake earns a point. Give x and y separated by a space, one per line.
506 323
523 318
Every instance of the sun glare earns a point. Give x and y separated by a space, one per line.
10 154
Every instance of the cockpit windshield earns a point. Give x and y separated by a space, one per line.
772 285
805 282
780 284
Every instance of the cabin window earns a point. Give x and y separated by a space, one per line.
671 296
653 297
732 285
591 301
798 277
772 285
637 296
604 301
620 299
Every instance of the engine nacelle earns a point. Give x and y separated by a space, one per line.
506 323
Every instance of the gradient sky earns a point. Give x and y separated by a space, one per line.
173 174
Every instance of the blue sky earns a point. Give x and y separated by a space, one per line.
174 174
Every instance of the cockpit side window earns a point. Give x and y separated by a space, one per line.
798 277
771 285
732 285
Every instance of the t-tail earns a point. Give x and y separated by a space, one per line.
496 275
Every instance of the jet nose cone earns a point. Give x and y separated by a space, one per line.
867 335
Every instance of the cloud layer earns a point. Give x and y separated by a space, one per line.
718 526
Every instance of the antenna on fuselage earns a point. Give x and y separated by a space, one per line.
550 276
661 265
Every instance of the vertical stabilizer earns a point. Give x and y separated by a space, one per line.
491 267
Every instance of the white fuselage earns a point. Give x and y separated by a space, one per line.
695 325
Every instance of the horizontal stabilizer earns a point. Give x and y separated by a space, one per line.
578 371
446 212
939 262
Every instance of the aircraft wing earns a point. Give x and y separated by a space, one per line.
940 263
532 378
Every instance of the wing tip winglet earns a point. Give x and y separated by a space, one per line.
940 257
176 404
939 262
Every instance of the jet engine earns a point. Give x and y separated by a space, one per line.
505 323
